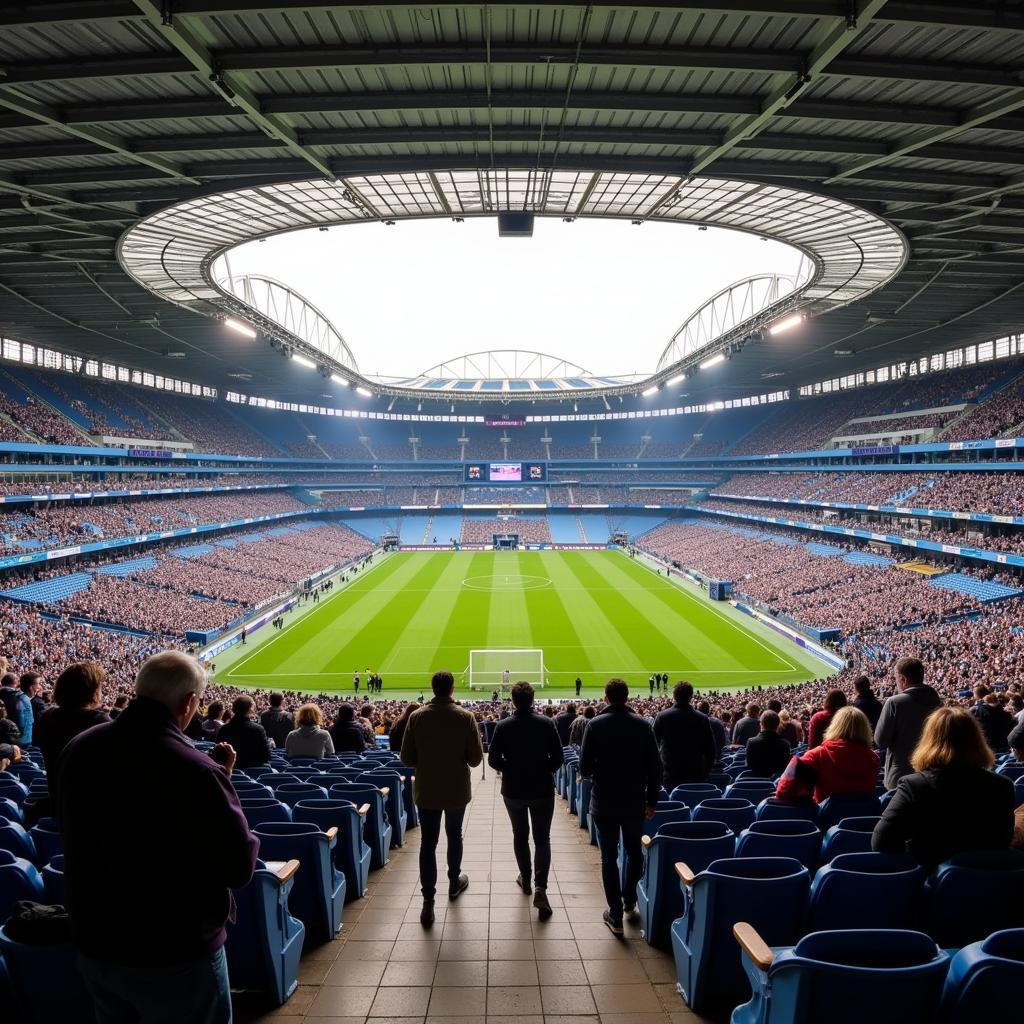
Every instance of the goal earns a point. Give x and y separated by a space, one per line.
487 668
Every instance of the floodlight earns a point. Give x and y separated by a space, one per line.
242 328
678 379
303 361
338 379
651 391
786 323
713 361
365 392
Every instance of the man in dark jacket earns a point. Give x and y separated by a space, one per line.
620 756
527 750
902 719
249 738
685 741
767 752
346 732
563 723
996 723
866 700
717 726
154 840
276 721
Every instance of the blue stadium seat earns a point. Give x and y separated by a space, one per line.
974 894
378 827
851 835
394 801
866 890
583 800
319 892
292 792
46 839
693 792
19 880
12 788
10 811
770 809
265 941
260 772
14 838
352 856
754 790
659 896
1018 793
572 770
53 881
1012 771
46 983
879 975
666 812
982 977
771 890
257 811
721 779
794 838
833 809
278 779
735 812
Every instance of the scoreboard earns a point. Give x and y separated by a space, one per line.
505 473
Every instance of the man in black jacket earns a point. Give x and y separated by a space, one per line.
249 738
685 741
767 752
526 749
276 721
563 723
866 700
620 756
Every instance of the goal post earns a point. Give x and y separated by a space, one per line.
487 668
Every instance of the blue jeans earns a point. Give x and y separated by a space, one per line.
194 992
430 833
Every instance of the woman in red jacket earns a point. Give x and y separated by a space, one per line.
843 763
821 720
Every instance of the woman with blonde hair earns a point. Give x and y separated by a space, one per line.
843 763
953 802
309 738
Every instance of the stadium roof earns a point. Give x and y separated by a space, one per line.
110 112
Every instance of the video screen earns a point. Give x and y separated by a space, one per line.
535 472
506 472
476 473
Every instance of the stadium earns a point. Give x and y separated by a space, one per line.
346 346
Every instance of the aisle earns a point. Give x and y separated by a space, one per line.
487 956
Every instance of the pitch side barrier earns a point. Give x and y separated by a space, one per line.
490 547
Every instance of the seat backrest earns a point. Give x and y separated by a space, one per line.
981 976
800 840
697 843
693 792
732 811
851 835
259 811
833 809
866 890
974 894
291 793
19 880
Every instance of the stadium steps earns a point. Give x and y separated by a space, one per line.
160 422
54 403
21 430
50 591
595 528
428 531
583 533
312 434
365 442
982 590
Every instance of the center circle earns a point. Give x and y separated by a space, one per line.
506 581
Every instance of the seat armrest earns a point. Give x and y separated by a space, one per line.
645 841
287 871
753 945
363 811
686 876
384 791
332 833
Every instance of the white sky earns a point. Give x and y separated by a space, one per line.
605 294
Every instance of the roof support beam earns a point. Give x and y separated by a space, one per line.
227 85
833 41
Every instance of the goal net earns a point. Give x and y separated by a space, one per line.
487 668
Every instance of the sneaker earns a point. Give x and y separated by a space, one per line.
523 884
540 901
614 923
459 886
631 911
427 913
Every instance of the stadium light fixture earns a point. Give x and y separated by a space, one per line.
238 325
651 391
365 392
787 323
713 361
338 379
303 361
677 379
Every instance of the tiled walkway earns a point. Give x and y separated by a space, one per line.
487 957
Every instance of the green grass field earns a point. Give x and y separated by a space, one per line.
595 614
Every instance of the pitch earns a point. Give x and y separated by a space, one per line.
595 614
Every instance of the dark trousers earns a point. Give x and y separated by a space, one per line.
538 812
608 832
430 832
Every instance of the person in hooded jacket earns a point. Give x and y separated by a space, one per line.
902 719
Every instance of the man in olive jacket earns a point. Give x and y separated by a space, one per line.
442 742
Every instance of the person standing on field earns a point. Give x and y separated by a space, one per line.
442 742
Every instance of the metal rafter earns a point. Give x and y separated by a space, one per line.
834 40
227 85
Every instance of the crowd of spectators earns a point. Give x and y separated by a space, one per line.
992 418
34 416
482 531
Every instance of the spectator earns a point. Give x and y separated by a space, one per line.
768 753
866 700
563 723
843 763
397 733
120 703
902 719
151 951
717 727
442 742
749 725
309 738
32 684
10 697
346 733
620 756
248 738
213 722
77 695
276 721
527 749
996 723
579 727
821 720
952 802
10 734
685 741
1016 742
790 729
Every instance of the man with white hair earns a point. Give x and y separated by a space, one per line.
154 840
